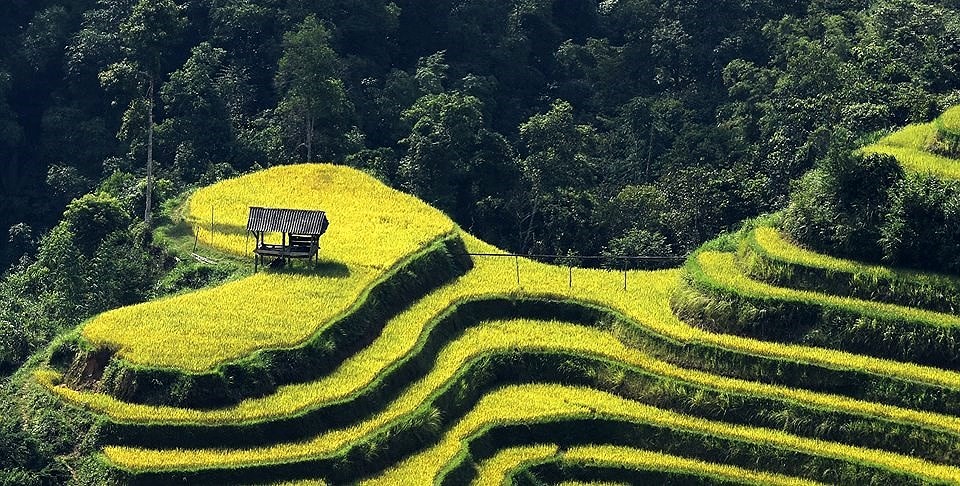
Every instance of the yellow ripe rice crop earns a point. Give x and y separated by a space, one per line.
517 335
544 403
196 331
377 227
777 246
656 461
920 161
772 244
591 483
646 301
371 225
372 228
495 470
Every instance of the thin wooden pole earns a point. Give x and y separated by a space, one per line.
211 226
517 260
571 276
624 275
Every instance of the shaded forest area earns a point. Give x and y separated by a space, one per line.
560 126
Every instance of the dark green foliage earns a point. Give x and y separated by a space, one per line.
373 453
94 260
880 333
668 95
91 218
493 369
575 127
40 436
863 207
922 225
837 208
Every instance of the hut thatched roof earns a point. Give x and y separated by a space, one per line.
291 221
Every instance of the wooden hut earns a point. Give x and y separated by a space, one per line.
301 230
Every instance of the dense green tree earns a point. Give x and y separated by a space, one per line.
196 132
147 36
838 207
746 93
452 159
313 93
561 169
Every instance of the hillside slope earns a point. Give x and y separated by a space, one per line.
404 357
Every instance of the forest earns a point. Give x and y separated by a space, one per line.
566 126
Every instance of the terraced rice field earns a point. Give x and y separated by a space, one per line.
912 146
741 367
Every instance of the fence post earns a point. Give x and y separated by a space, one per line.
624 274
571 275
516 259
211 226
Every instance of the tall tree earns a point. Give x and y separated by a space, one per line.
309 80
148 37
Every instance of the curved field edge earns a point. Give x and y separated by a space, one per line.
949 122
521 409
579 415
378 227
371 224
131 421
864 378
768 256
720 297
626 464
585 369
266 369
931 148
602 348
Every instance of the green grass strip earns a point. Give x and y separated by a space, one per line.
722 268
497 470
590 483
616 456
539 403
371 231
910 146
949 121
759 310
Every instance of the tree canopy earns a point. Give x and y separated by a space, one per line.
515 117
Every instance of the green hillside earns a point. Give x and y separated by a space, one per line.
399 358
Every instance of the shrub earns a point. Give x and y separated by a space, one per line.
922 224
837 207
